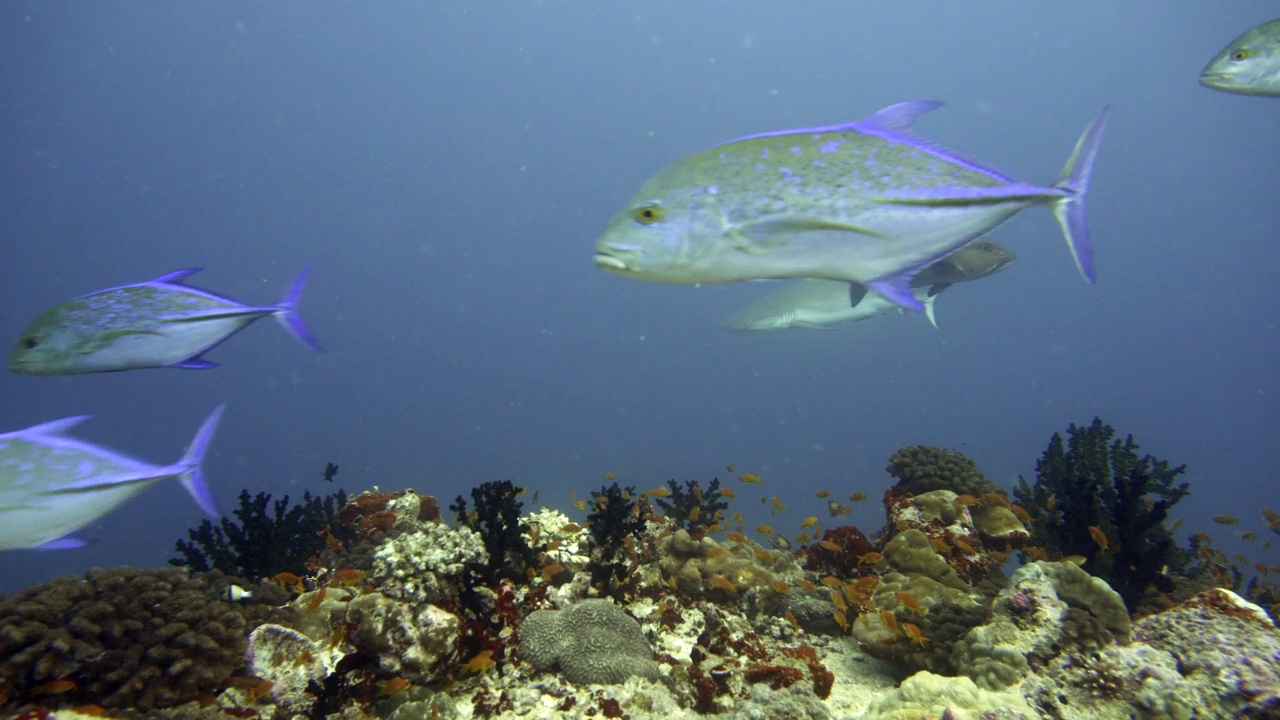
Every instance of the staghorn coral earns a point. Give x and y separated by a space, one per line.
265 543
591 641
922 468
144 639
1095 480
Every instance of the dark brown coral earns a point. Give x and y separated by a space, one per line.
921 469
127 638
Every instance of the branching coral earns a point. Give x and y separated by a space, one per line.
265 543
496 518
693 508
1094 491
616 514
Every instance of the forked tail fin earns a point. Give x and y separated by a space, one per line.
1070 209
287 312
192 475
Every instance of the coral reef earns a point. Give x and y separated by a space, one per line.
617 516
408 642
1095 497
265 543
925 695
921 469
373 515
693 508
425 566
496 518
123 638
591 641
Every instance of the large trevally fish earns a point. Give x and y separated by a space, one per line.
159 323
822 304
866 203
52 485
1249 65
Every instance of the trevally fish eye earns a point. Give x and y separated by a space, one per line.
649 214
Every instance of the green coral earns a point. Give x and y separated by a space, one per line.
591 641
1095 480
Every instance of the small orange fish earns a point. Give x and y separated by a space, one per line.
857 497
552 570
721 582
866 584
1226 519
824 493
90 710
695 512
832 582
751 478
737 516
910 602
913 632
728 492
781 587
791 618
764 529
809 521
964 546
808 586
581 504
842 620
870 558
736 536
1173 526
1099 537
835 509
1036 553
729 468
397 685
837 599
1271 516
940 546
289 581
659 492
1051 502
803 538
995 498
829 545
889 621
1022 514
348 578
611 476
762 555
483 662
777 505
54 687
967 500
317 598
1248 535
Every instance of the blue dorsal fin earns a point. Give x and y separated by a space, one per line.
177 276
57 427
899 116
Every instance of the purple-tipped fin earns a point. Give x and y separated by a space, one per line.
287 312
898 290
900 116
192 476
177 276
66 542
1070 210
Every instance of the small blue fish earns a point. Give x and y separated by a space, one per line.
158 323
52 485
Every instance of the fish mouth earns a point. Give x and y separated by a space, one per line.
1214 79
609 262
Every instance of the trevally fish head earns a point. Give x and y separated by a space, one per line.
1248 65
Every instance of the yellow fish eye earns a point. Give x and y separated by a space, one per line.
649 214
31 342
1242 54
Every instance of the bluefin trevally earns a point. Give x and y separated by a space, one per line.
823 304
1248 65
159 323
52 485
865 202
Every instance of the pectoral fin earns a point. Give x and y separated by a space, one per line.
937 288
898 290
774 230
856 293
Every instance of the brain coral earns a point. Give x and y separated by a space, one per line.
128 638
592 641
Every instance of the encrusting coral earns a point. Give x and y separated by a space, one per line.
591 641
124 638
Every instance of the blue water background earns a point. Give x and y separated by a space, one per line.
447 167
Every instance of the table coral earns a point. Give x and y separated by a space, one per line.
591 641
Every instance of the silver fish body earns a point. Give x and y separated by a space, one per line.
865 203
52 485
159 323
824 304
1248 65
